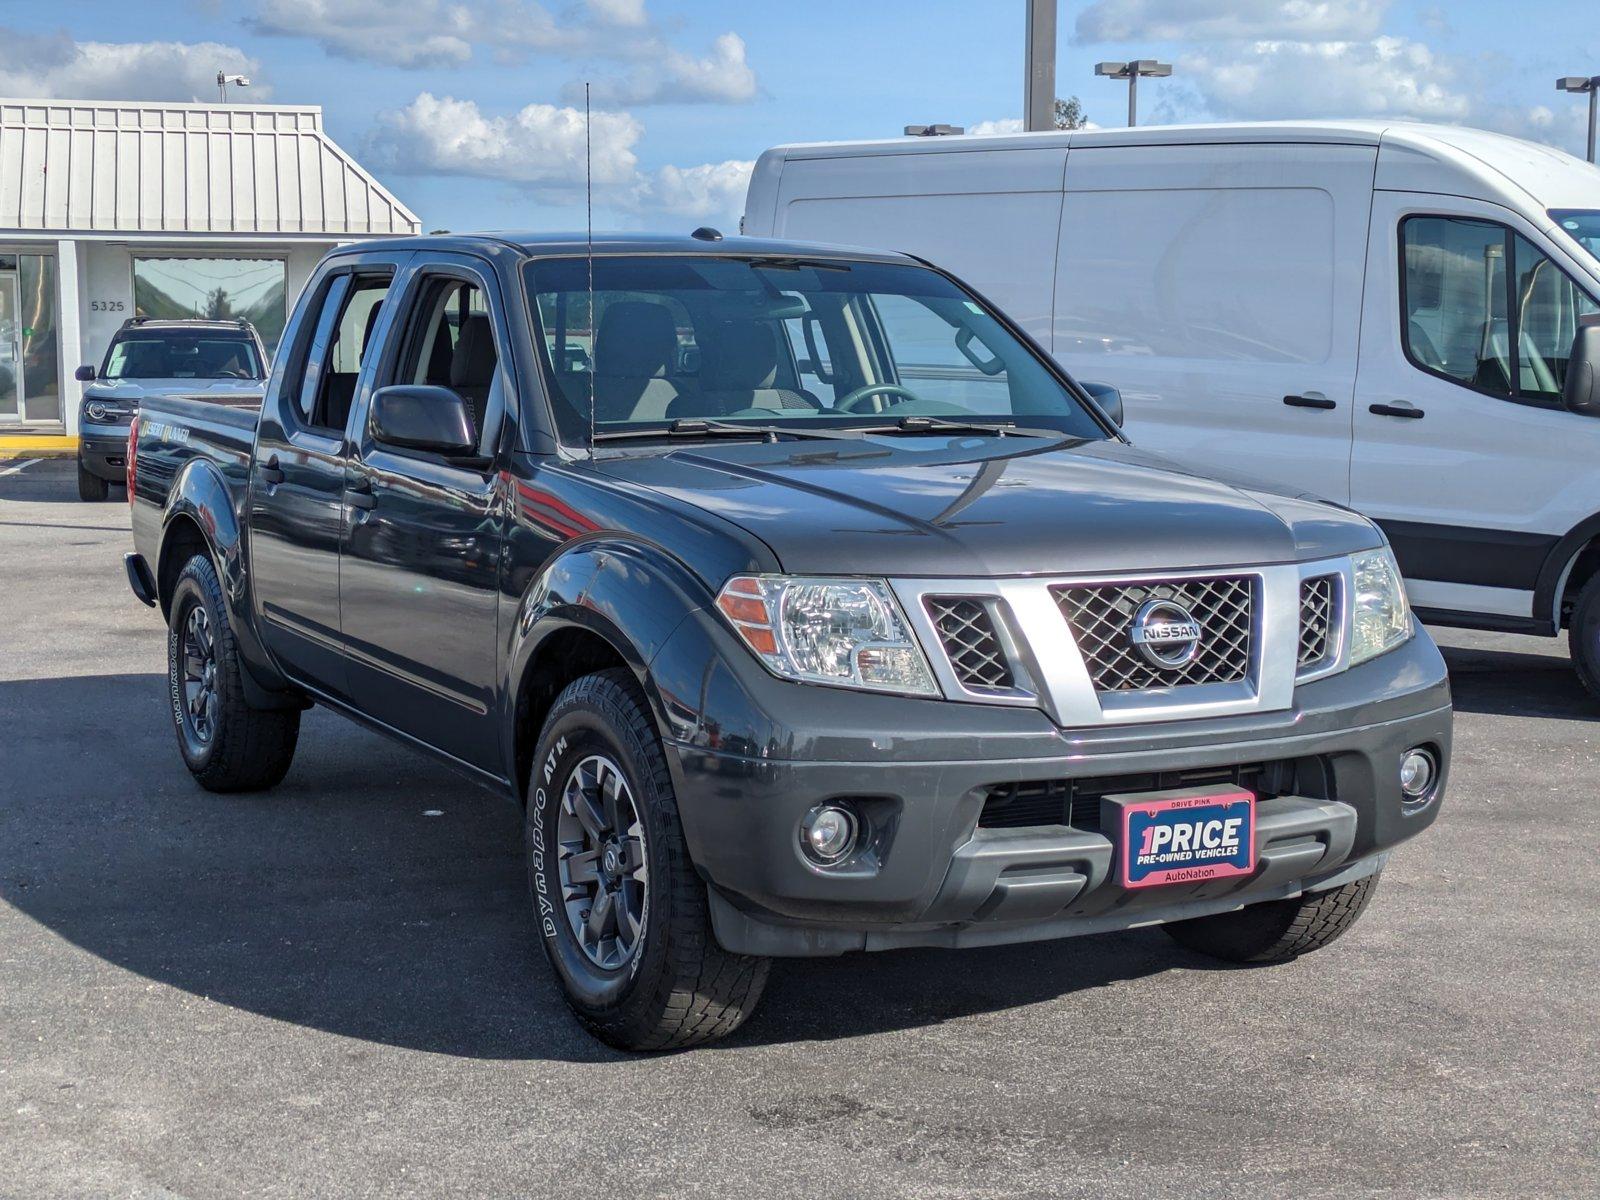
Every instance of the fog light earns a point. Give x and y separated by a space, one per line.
1418 770
828 833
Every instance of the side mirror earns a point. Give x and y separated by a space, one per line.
423 417
1108 398
84 374
1581 391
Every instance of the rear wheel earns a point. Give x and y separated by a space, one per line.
1277 930
90 486
621 912
227 745
1583 636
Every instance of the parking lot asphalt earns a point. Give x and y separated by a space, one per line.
327 991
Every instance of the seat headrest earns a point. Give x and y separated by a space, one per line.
474 359
372 323
636 339
739 355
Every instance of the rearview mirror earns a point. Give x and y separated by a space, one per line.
423 417
1108 398
1581 391
84 374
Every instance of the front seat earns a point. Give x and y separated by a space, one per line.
472 366
635 345
739 369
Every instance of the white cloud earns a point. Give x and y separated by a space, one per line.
57 66
1225 20
452 33
1385 77
711 192
539 144
721 77
540 147
991 128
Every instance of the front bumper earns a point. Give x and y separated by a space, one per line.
755 754
103 449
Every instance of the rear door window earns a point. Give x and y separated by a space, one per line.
344 334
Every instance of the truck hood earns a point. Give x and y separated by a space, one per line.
131 391
984 506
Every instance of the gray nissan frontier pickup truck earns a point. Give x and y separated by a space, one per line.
803 603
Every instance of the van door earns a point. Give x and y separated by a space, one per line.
1219 287
1463 451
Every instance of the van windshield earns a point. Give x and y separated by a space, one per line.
1582 226
824 342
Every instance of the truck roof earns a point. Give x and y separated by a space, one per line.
562 245
1414 155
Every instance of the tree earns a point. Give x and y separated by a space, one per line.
1069 113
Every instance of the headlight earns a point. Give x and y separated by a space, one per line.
1381 619
845 632
96 411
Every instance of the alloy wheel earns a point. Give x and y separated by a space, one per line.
601 860
199 675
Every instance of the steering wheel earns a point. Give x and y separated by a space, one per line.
851 403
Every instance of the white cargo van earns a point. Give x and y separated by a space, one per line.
1382 314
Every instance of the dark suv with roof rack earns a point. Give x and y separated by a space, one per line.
803 604
222 361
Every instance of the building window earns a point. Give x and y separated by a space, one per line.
30 378
251 289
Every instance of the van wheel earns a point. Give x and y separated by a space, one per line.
1583 636
1277 930
227 745
90 486
621 912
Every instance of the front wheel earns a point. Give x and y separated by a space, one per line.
1583 636
1277 930
227 745
621 913
90 486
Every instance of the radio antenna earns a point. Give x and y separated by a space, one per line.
588 216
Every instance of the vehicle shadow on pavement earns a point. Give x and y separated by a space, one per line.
1513 684
335 902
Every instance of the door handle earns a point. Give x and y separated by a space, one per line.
1310 400
1401 409
361 496
271 472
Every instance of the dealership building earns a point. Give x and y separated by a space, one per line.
113 210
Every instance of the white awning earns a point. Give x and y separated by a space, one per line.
137 168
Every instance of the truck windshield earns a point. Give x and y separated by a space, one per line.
1582 226
160 355
780 341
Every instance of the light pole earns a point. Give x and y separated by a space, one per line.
1583 83
1149 68
224 79
1039 70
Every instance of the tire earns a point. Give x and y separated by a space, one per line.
1277 930
90 486
227 745
1583 636
661 982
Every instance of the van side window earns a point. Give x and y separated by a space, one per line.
1464 313
338 350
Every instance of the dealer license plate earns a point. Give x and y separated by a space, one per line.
1187 836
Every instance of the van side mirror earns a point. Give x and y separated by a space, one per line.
1108 398
84 374
1581 391
423 417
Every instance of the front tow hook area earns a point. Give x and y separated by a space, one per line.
140 579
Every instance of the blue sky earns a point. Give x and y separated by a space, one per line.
467 111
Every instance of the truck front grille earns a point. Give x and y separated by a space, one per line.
1102 616
1316 619
1076 802
967 632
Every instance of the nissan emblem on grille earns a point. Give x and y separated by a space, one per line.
1166 634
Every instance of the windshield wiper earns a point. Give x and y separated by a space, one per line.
703 427
996 428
